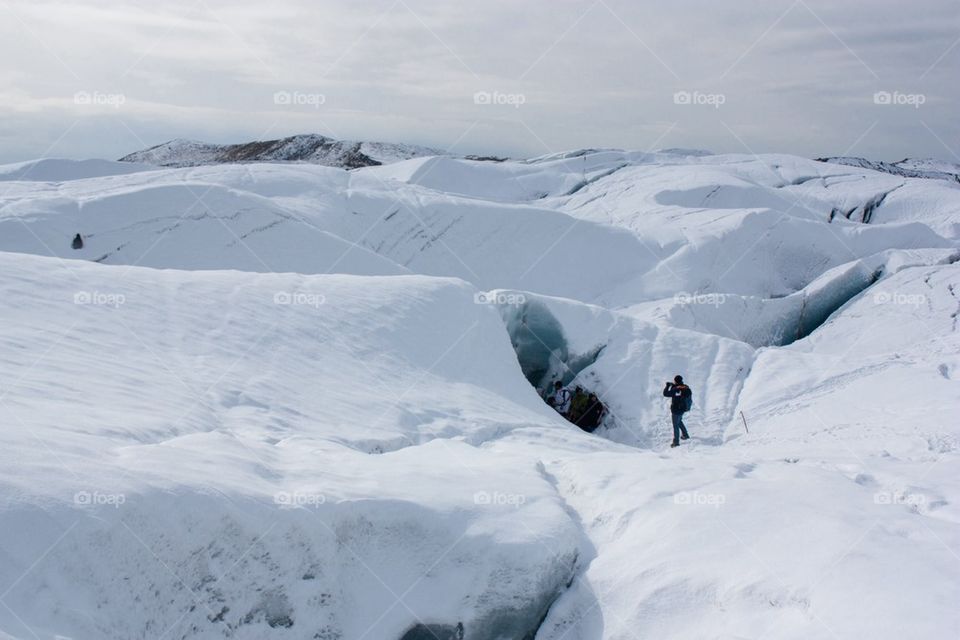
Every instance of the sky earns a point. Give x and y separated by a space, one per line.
103 78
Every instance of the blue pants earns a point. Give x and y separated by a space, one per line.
678 427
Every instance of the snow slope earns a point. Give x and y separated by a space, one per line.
284 400
833 517
532 226
58 170
277 443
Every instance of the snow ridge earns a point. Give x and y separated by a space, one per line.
908 167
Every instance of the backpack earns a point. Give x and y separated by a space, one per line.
687 400
579 402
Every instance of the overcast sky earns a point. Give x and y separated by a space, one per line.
102 78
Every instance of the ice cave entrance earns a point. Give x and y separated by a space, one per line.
541 346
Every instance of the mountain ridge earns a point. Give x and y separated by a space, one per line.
310 147
928 168
323 150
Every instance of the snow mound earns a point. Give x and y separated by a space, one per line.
188 225
613 228
850 432
502 182
764 322
215 427
841 358
61 170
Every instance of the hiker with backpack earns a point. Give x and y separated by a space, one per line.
561 399
592 416
578 404
681 401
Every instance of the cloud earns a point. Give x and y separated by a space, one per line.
796 77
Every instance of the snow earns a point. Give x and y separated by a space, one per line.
58 170
285 400
777 321
930 168
386 152
163 418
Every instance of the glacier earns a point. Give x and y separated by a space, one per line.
285 400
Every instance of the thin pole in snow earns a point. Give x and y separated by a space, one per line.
744 422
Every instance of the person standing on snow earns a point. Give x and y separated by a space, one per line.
681 399
561 399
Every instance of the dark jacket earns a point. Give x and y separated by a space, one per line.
677 394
